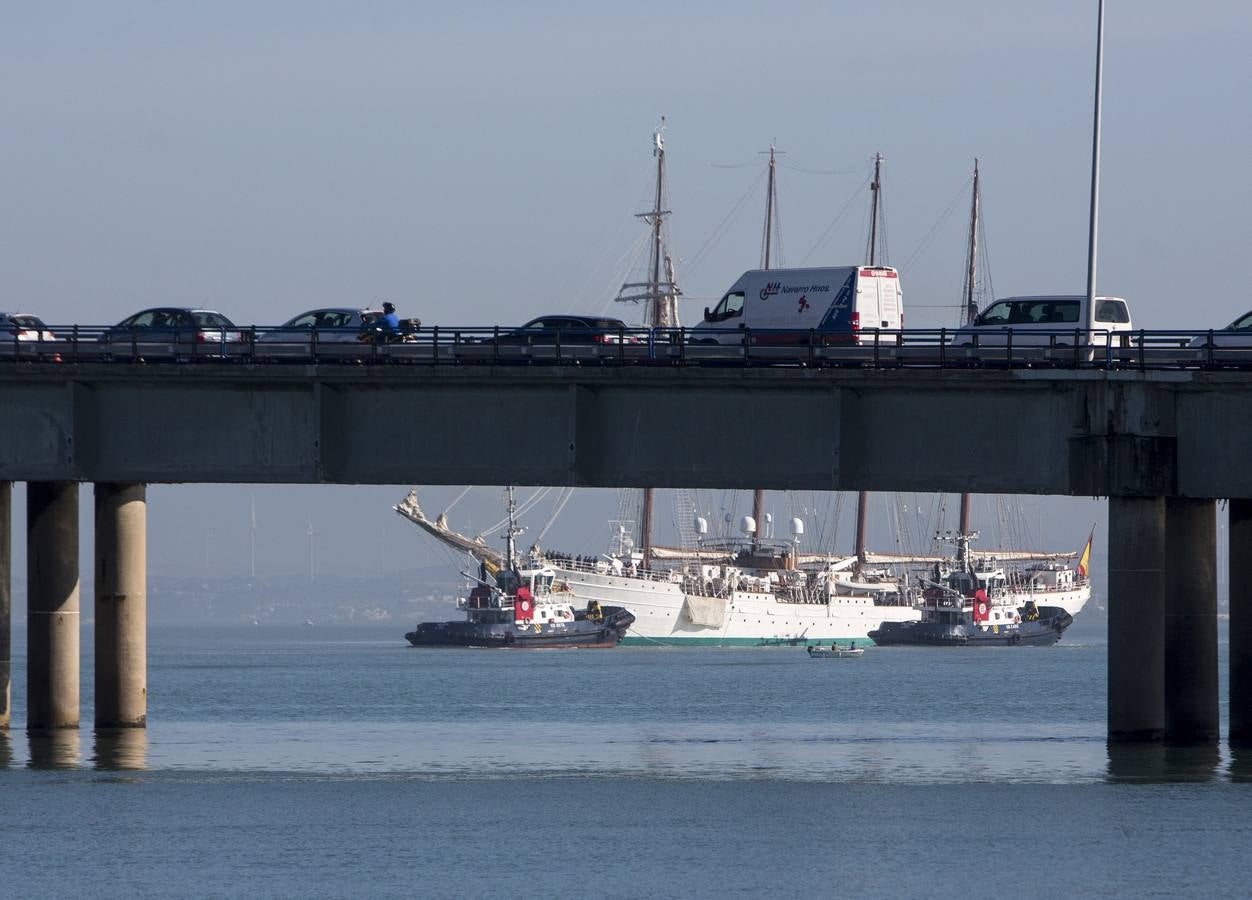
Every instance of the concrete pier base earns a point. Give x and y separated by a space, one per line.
1136 602
6 597
52 619
1241 625
1190 621
121 606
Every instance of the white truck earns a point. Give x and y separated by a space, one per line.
784 306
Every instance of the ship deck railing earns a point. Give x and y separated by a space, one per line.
604 567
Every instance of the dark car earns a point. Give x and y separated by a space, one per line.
172 331
546 330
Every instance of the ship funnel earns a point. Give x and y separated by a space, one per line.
748 525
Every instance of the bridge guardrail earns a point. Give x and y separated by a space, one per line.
494 345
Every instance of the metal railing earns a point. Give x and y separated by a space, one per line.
916 348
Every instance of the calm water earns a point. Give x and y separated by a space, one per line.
338 762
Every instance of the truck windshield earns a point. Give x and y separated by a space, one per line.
731 305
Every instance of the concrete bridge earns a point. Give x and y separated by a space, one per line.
1161 445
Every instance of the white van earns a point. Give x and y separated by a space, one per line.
840 305
1044 320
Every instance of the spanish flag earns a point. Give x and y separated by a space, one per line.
1084 558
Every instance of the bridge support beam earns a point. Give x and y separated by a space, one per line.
1240 623
6 608
1136 602
52 619
121 606
1190 621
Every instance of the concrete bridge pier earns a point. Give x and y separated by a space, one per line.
1241 624
1191 715
52 619
6 609
121 606
1136 602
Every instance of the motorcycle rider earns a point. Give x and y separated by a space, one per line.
388 323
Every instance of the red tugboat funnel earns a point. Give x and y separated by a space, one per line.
981 610
523 605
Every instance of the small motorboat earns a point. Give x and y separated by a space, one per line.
834 651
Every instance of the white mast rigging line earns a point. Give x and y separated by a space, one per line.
842 212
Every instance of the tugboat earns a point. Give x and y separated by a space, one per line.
968 606
523 606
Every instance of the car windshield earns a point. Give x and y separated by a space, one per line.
334 319
211 320
1243 323
28 322
156 318
1030 312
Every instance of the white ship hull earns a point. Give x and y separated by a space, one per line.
663 615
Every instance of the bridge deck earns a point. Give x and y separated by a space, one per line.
1042 431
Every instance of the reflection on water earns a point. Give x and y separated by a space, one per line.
56 748
6 749
121 748
1241 764
1160 764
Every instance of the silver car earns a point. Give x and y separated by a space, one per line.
1237 334
341 324
25 335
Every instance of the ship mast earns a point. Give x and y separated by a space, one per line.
875 188
971 268
661 297
511 531
971 313
771 198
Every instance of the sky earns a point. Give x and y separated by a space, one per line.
481 163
